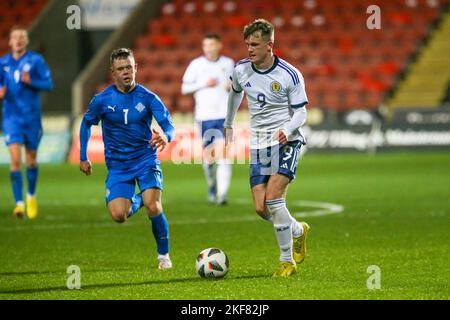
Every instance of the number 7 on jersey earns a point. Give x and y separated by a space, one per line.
125 116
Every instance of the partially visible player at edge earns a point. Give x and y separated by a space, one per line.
23 74
276 98
207 77
126 110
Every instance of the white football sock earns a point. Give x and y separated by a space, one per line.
223 179
282 223
267 216
297 228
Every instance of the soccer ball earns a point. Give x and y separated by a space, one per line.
212 263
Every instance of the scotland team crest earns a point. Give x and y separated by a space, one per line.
275 86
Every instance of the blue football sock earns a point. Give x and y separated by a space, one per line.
160 229
17 185
32 175
136 204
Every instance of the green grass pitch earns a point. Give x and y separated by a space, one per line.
396 209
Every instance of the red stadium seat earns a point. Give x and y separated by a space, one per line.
185 103
17 13
344 64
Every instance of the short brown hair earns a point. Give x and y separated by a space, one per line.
17 27
212 35
266 28
120 53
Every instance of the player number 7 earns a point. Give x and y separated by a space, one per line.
125 116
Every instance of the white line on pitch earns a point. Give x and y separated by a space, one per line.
323 208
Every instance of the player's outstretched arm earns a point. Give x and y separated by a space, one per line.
159 140
187 88
298 119
162 116
86 167
234 101
85 133
2 92
43 79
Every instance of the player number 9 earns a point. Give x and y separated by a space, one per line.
261 98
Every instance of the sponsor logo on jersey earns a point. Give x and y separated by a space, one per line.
7 69
26 67
112 108
139 107
248 85
275 86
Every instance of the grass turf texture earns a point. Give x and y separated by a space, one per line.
396 216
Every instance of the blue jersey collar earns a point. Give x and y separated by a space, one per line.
21 57
117 90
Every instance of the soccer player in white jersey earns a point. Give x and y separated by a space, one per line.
207 77
276 98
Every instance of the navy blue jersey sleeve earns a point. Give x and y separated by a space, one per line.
162 116
41 78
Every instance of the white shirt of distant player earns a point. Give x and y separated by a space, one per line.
272 95
210 102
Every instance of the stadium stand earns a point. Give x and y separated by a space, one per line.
17 13
345 65
427 80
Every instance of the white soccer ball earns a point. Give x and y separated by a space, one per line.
212 263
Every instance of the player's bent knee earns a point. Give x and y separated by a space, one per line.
15 165
119 218
118 215
31 164
153 208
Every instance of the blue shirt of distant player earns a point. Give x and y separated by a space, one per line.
126 125
22 103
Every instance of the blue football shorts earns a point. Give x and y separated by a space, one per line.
211 130
282 159
28 134
121 183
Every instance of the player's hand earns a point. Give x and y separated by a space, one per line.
159 141
281 136
26 77
86 167
211 82
2 92
228 134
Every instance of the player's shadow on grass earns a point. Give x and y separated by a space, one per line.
24 273
117 285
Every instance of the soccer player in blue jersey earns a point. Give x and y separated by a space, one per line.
23 74
126 110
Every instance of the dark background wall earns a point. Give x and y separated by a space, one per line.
60 48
